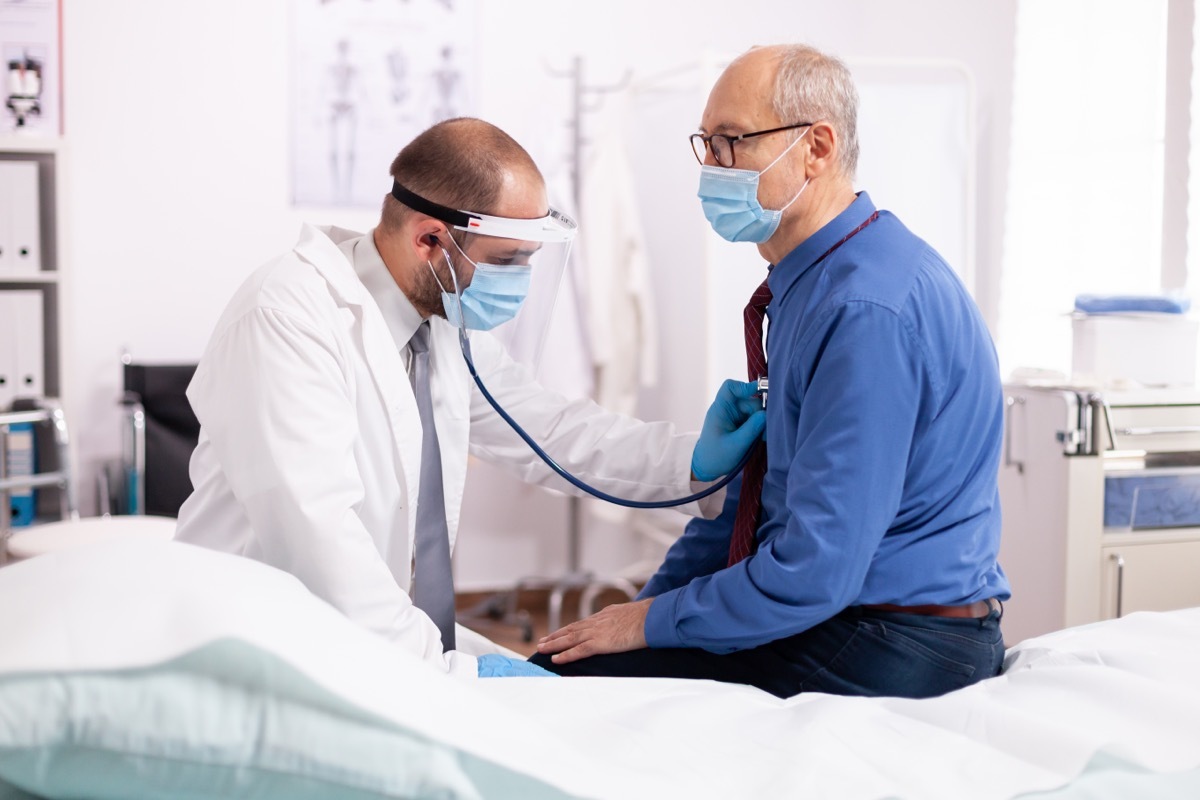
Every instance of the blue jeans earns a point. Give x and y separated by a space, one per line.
858 652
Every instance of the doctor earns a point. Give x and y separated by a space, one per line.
313 454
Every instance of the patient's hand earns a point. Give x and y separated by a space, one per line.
616 629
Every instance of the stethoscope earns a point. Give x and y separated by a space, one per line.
464 344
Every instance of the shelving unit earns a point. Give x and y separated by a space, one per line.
32 335
48 155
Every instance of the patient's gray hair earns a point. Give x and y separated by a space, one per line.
812 86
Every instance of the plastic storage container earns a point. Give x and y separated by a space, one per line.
1146 349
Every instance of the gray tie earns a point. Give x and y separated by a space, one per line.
433 590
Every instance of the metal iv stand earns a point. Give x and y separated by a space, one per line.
576 577
502 607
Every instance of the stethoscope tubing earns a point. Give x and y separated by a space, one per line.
465 345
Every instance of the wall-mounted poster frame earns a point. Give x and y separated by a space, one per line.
31 65
366 78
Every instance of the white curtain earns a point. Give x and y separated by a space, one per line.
1084 212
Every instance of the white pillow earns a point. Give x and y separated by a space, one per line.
150 669
187 728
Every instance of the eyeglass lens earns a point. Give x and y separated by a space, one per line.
722 148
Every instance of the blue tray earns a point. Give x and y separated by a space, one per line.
1152 501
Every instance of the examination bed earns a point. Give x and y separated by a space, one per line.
156 669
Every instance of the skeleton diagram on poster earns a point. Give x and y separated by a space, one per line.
29 89
368 76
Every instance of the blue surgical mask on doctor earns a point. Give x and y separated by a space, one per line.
493 297
730 201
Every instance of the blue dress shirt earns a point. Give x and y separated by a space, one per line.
884 425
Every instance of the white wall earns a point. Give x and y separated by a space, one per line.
176 117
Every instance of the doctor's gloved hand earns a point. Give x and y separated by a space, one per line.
734 422
494 665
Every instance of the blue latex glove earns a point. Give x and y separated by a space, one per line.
734 422
494 665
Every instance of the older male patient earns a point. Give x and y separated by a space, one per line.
859 555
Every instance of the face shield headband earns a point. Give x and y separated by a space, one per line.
554 227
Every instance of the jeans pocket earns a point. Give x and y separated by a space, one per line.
900 638
877 657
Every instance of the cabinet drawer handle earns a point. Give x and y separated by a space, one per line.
1009 402
1117 557
1158 431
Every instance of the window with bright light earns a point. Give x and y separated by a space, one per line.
1084 211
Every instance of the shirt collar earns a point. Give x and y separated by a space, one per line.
799 261
402 318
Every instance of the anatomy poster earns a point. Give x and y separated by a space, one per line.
367 76
29 102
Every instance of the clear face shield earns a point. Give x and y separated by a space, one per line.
515 266
518 265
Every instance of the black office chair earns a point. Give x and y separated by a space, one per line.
160 433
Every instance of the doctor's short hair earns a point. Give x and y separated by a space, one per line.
812 86
460 163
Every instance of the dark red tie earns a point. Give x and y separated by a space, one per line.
745 523
750 500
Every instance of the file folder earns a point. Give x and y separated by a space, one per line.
21 463
29 356
20 219
8 350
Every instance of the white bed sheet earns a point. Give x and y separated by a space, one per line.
1121 694
1123 691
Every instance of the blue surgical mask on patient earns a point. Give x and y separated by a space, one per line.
494 296
730 201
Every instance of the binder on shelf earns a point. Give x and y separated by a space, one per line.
28 343
8 265
8 351
20 219
22 346
21 463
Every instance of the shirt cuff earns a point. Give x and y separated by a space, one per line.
709 507
461 665
660 629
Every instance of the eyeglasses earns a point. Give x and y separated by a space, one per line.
722 145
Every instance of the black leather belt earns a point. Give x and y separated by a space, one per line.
976 610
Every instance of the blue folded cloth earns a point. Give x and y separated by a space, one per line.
1118 303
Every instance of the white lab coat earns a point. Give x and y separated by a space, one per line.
310 445
622 327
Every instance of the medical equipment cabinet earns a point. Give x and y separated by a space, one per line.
1100 495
